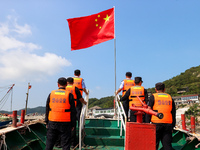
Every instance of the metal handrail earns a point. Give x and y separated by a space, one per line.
121 114
82 118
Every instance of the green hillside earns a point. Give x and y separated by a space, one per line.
105 102
188 80
39 109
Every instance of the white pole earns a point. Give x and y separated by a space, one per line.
115 59
114 48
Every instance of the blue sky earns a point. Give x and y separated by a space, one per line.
155 39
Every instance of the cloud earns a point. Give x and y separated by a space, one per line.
22 65
4 30
21 30
98 87
10 43
17 58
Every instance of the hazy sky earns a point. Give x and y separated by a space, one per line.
155 39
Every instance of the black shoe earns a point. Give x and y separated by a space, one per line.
58 146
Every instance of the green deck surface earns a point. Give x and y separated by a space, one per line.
101 134
103 148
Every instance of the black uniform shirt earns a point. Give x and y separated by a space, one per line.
78 94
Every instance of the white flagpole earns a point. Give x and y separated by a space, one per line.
115 60
115 47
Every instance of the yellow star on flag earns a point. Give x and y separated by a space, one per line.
107 18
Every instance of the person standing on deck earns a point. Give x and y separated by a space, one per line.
132 94
79 83
60 116
124 86
78 99
162 102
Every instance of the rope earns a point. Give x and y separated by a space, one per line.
5 98
26 125
3 142
8 86
196 146
81 140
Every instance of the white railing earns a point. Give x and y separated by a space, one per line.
82 119
121 113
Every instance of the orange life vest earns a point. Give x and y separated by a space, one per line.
78 84
134 92
128 83
71 89
59 106
162 104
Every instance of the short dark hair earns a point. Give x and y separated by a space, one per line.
128 74
77 72
62 81
138 79
160 86
70 80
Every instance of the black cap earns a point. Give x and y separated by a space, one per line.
62 81
70 80
128 74
160 86
138 79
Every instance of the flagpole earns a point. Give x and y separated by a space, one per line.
114 47
115 62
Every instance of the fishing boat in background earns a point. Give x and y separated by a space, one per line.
5 119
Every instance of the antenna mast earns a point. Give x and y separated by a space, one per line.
11 96
29 86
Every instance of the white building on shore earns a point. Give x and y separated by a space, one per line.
194 98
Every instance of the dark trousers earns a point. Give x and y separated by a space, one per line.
73 137
164 134
56 129
126 108
78 113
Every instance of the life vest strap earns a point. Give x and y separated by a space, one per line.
138 96
59 110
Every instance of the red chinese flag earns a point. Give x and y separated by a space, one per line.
91 30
